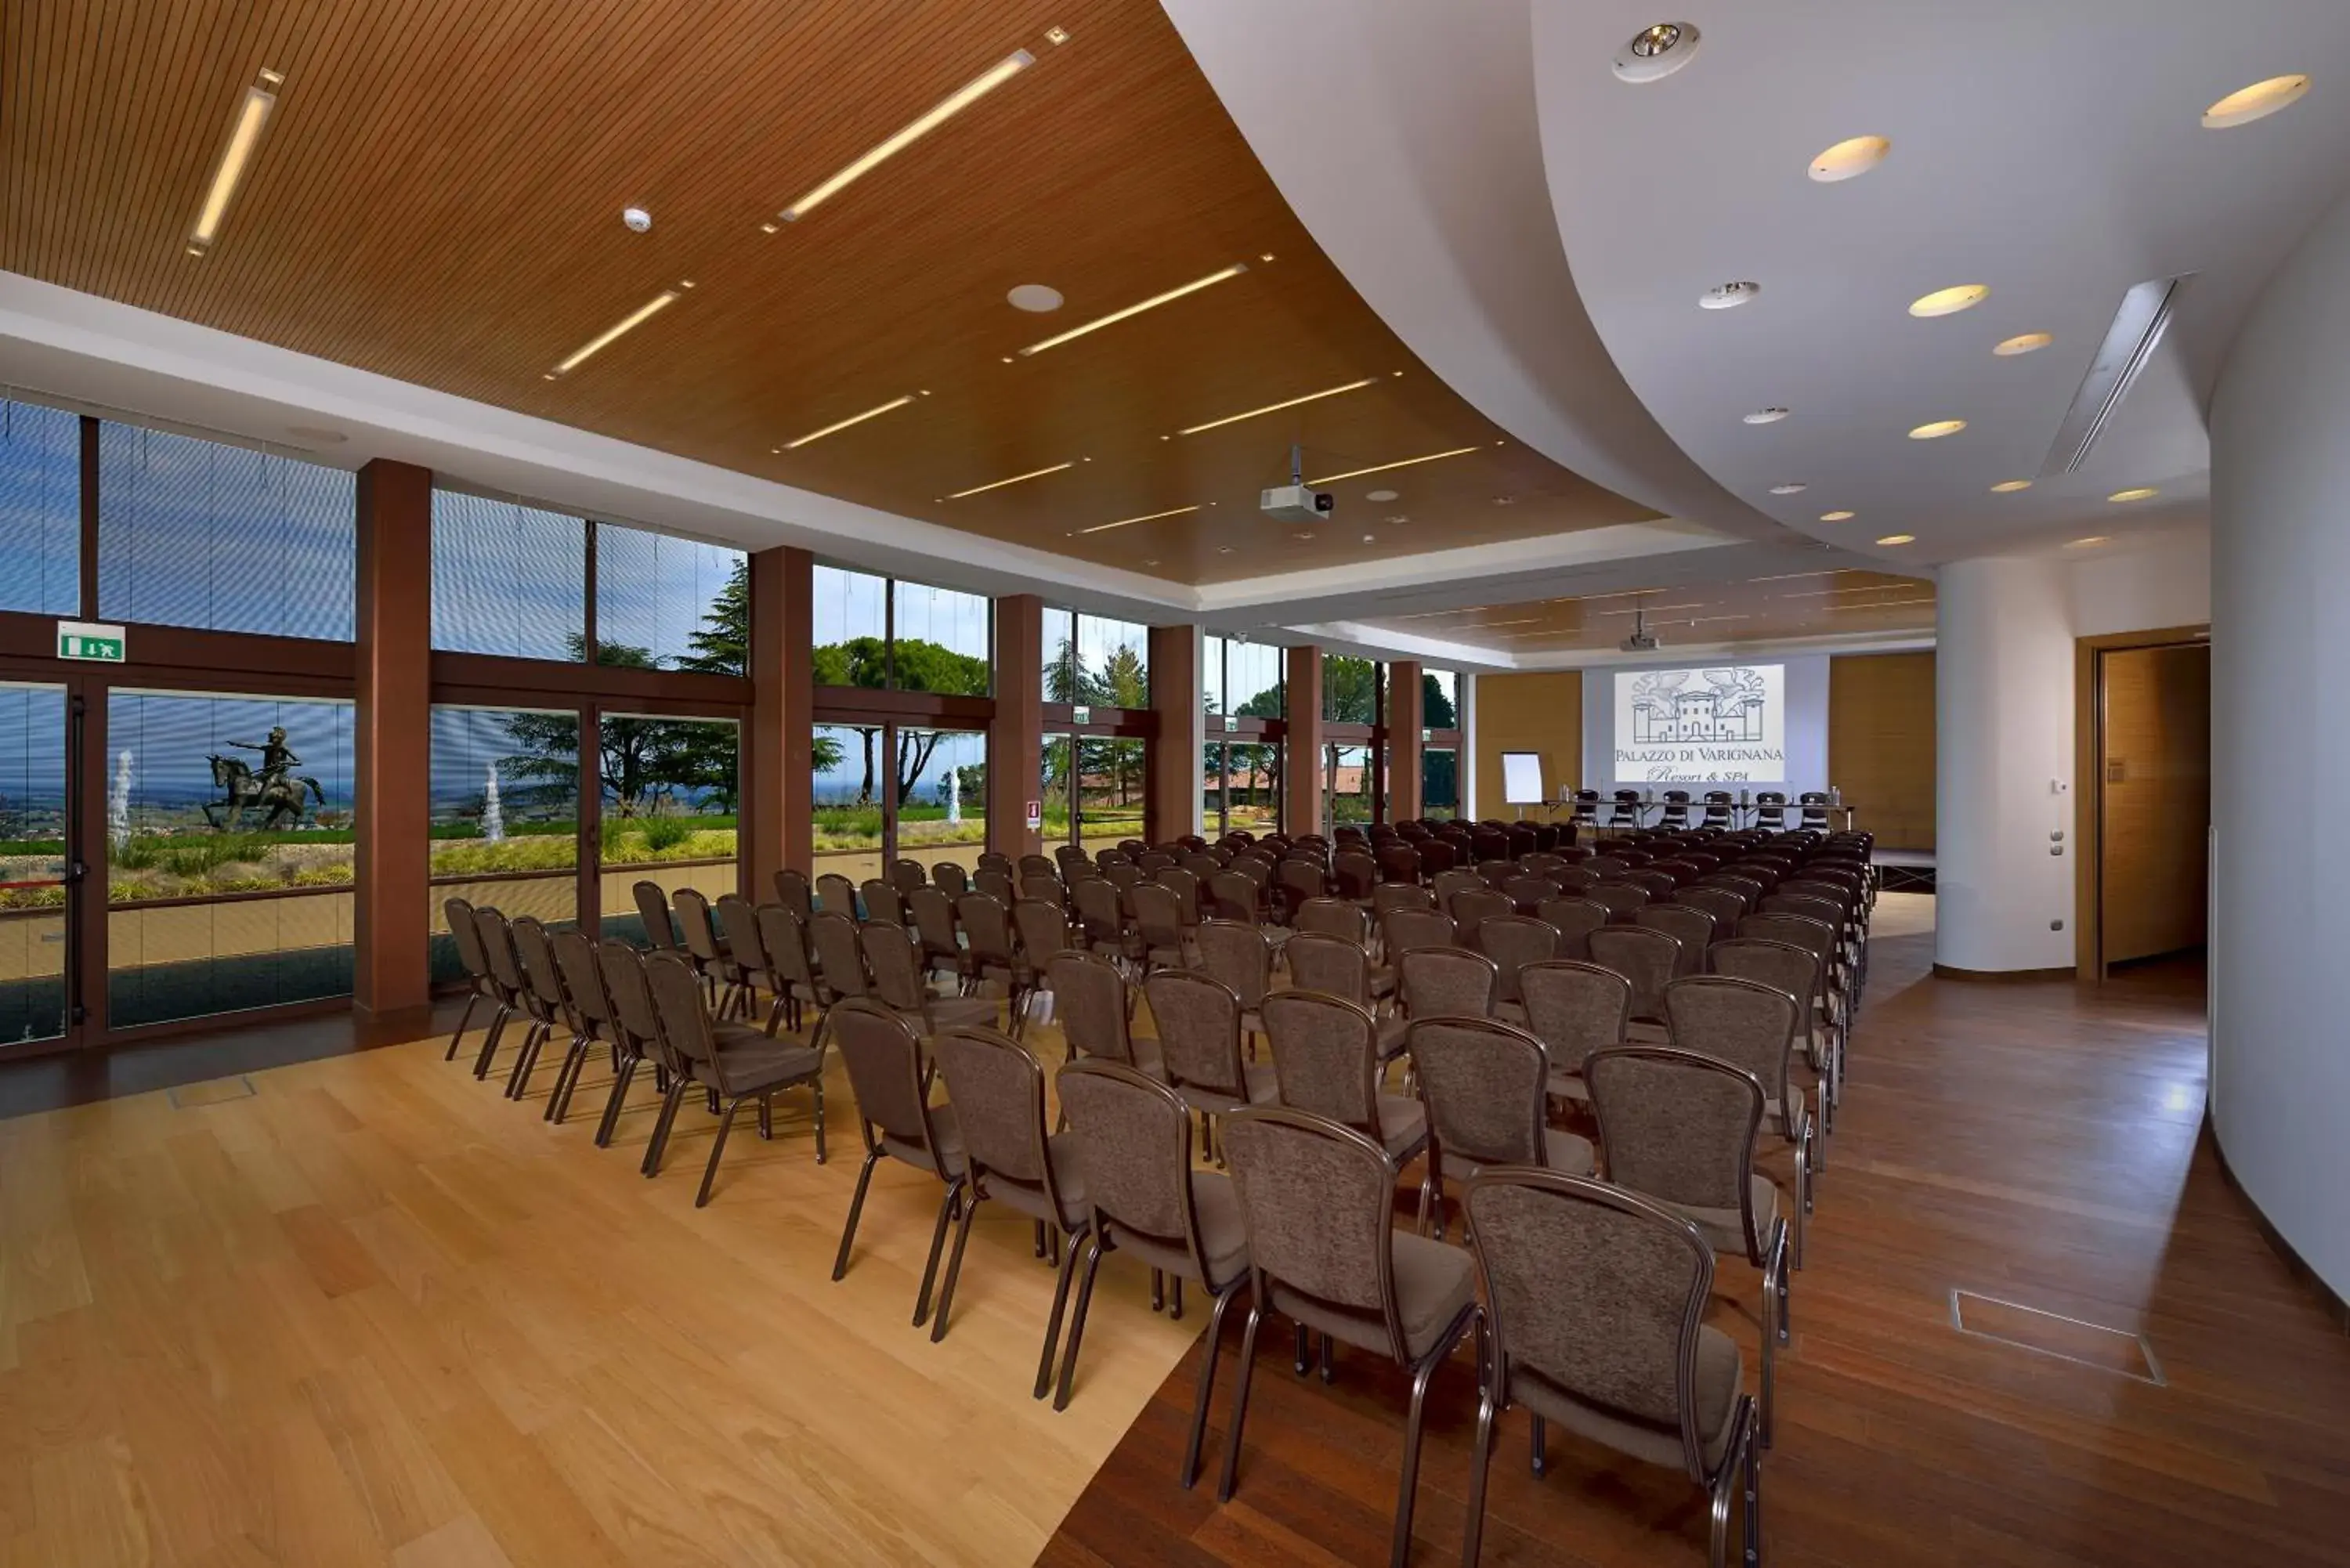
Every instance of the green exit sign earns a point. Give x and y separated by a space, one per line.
90 640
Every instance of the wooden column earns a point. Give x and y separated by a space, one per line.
391 913
1016 739
1405 717
778 765
1301 756
1171 807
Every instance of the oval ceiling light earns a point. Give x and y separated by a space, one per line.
1937 429
1789 488
1728 295
1378 496
2023 344
1766 416
1035 297
2142 493
2257 101
2009 486
1950 301
2091 543
1838 517
1656 52
1898 539
1856 155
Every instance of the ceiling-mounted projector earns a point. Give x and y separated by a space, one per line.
1641 640
1294 502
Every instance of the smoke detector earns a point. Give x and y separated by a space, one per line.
1729 296
1656 52
637 218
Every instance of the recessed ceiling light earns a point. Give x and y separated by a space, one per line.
1061 36
1728 295
1036 296
1378 496
1856 155
1765 416
1369 538
1399 517
1383 467
1146 517
1301 534
2091 543
2142 493
1015 479
1223 549
2009 486
1838 517
1789 488
1277 408
1898 539
613 334
1937 429
1505 501
1950 301
2023 344
2257 101
1267 256
1153 303
252 112
938 114
1151 560
873 413
1656 52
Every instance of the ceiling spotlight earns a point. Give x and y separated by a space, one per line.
1789 488
1728 295
2143 493
1846 159
637 220
1950 301
2257 101
1061 36
1367 539
1656 52
2023 344
1898 539
1035 296
1937 429
253 113
1378 496
2091 543
1399 517
1838 517
1505 501
2009 486
1223 549
1766 416
938 114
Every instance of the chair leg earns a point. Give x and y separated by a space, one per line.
717 1148
819 1120
1481 1459
464 1021
490 1041
1240 1403
1077 1324
534 1040
658 1144
1399 1555
1157 1290
1753 1472
1175 1299
1207 1389
1305 1357
855 1207
955 1267
1538 1449
612 1102
1329 1359
947 1207
767 1115
1064 1266
566 1078
1039 1241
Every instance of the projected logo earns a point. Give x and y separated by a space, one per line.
1722 725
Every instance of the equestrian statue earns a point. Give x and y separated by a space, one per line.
275 790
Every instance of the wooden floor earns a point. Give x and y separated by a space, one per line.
2034 1144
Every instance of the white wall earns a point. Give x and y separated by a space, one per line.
2003 765
2161 582
1808 723
2281 655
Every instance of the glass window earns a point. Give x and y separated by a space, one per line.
940 640
505 824
1056 777
33 935
1439 700
1440 785
1110 779
40 510
1253 788
1211 675
230 860
942 795
192 533
1350 690
1253 681
1349 782
665 603
671 790
848 801
508 578
851 629
1113 667
1060 641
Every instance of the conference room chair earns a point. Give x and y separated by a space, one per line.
1448 884
1573 918
1771 809
1317 1202
590 1015
950 878
1815 805
1675 817
1102 915
1198 1022
1230 894
880 902
652 910
465 932
704 951
1818 939
1334 966
1041 929
1185 886
734 1061
1241 957
545 1000
504 970
1434 981
1752 1027
1624 813
897 1121
1621 898
1718 802
1402 929
940 936
1095 1008
1596 1297
1333 918
1325 1059
1473 907
1573 1008
1148 1200
1726 906
1692 927
1658 884
794 892
1012 1157
1486 1084
836 894
896 977
1526 891
1045 885
1353 874
1513 942
1650 958
637 1037
832 940
1398 861
783 936
1576 879
1158 923
908 875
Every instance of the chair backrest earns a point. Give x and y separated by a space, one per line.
1513 942
1726 906
1446 982
1597 1291
1231 895
498 951
677 998
908 875
792 891
832 937
1185 886
583 982
1397 862
1134 1143
1239 956
1828 912
1680 1125
1390 896
997 1088
934 920
995 882
1317 1201
836 894
1528 891
1650 958
1298 879
1782 966
882 902
1334 917
1326 1055
1043 926
1198 1020
885 1070
652 908
1485 1087
1471 907
1573 918
540 972
1405 928
1744 1022
1158 915
1816 937
1692 927
636 1023
950 878
1449 883
1621 899
1356 872
466 933
1100 910
738 924
995 860
783 935
1331 965
897 975
694 924
1090 1002
1044 885
987 928
1574 1008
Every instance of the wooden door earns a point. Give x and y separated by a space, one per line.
2154 798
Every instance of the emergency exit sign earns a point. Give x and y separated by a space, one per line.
90 641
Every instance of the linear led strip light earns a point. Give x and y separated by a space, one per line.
1123 522
1277 408
619 329
946 108
1015 479
839 425
1383 467
253 113
1153 303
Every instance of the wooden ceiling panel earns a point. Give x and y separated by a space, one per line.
1761 609
437 199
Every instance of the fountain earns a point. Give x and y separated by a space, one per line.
494 816
954 794
117 803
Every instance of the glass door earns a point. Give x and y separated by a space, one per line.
41 862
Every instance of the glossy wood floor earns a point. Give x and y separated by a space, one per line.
2036 1144
374 1313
